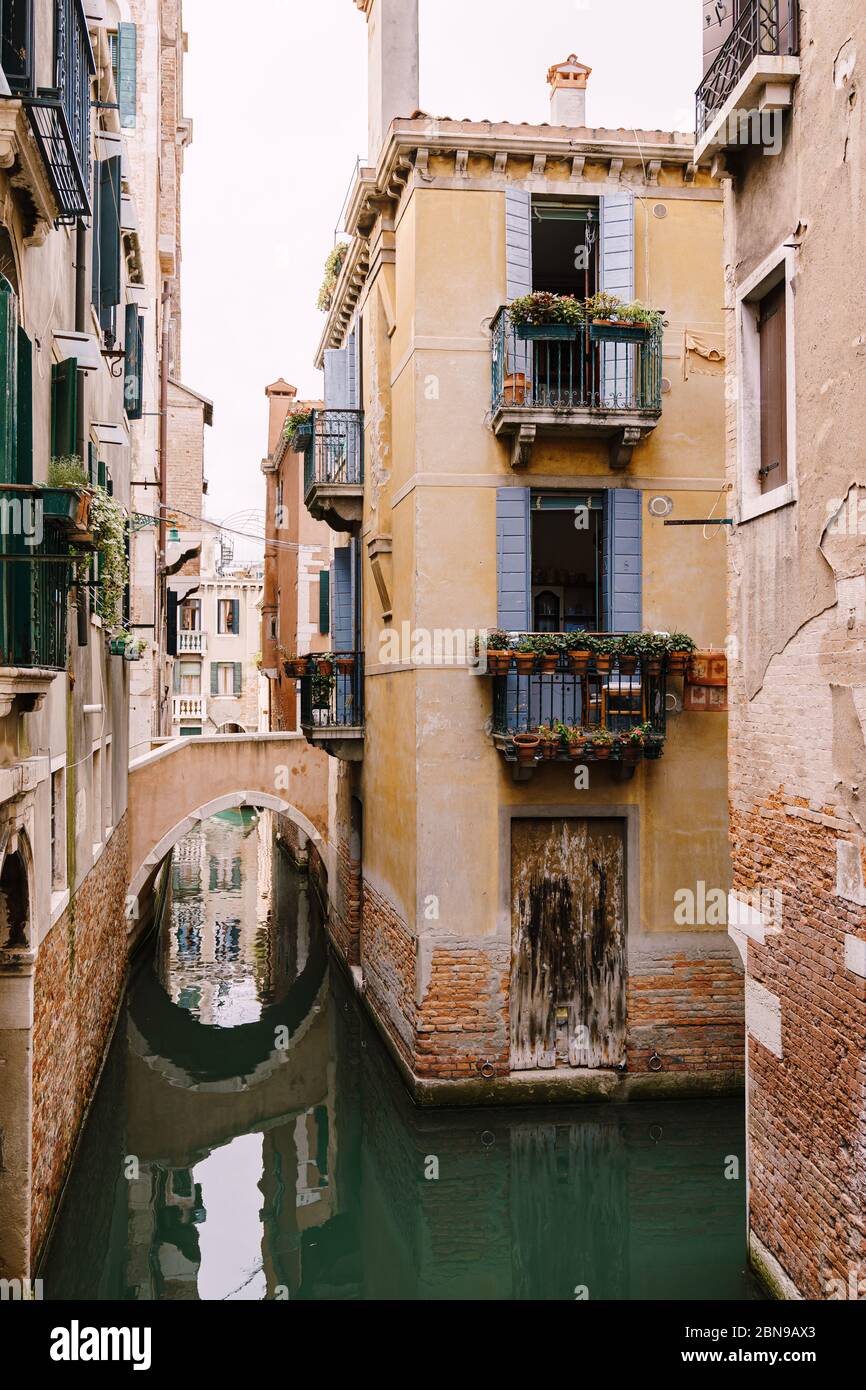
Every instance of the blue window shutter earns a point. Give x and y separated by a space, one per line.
623 560
352 390
337 379
127 44
513 546
518 243
324 602
617 243
342 626
239 677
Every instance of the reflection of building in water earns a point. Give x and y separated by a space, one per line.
217 928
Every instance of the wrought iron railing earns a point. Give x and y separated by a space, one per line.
764 27
35 577
332 691
60 115
619 694
334 455
577 373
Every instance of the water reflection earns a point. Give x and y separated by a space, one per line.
250 1139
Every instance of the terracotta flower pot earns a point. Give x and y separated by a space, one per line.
627 665
678 662
525 663
345 665
548 749
548 663
602 664
515 388
653 667
526 747
498 662
577 750
579 662
326 666
300 666
601 751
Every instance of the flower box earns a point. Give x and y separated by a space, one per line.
612 331
68 505
300 438
547 332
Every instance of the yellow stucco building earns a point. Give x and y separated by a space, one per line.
519 923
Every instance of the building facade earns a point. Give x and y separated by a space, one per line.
522 925
778 111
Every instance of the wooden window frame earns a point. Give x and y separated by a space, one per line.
754 499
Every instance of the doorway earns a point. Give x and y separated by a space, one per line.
568 942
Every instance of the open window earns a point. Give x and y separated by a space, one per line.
567 562
565 244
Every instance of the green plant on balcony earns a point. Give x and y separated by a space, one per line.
545 315
578 650
549 741
548 647
333 266
603 650
67 493
601 743
525 654
322 686
298 429
608 308
108 526
681 648
497 649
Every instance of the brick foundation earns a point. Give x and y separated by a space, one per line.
688 1010
78 985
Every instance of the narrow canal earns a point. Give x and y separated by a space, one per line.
250 1139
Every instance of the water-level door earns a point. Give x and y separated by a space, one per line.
567 943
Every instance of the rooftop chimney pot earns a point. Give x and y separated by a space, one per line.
568 91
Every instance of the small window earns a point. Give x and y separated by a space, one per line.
772 332
766 410
190 615
58 829
225 678
189 680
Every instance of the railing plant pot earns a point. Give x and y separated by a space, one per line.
300 438
546 332
69 506
610 331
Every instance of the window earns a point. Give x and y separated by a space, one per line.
188 678
123 44
96 800
106 242
190 615
567 563
228 616
766 427
64 408
58 829
565 247
226 678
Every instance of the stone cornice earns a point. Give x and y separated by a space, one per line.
523 155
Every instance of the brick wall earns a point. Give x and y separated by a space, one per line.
463 1018
688 1009
388 962
78 984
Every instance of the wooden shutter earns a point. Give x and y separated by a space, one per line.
127 45
64 408
171 623
214 678
239 677
718 21
106 234
772 331
324 602
518 243
24 449
513 548
132 387
617 277
337 379
8 381
235 617
342 625
177 678
17 53
623 560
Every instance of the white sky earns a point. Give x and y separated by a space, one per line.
279 107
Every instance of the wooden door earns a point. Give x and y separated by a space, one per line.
568 968
774 390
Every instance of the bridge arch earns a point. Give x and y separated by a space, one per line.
184 782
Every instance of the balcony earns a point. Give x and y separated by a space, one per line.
580 709
334 469
34 589
191 644
586 383
188 707
751 78
332 703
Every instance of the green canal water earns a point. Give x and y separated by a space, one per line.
250 1139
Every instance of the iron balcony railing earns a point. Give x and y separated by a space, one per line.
35 576
60 115
577 373
768 28
619 697
332 691
334 455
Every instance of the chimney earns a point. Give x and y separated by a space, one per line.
568 92
392 66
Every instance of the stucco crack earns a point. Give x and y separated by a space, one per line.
844 62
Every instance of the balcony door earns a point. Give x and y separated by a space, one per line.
568 961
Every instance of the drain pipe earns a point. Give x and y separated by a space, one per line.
162 601
82 431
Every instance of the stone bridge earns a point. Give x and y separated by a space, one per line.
189 779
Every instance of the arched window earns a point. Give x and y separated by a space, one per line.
14 904
546 612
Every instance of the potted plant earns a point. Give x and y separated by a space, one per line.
299 429
325 666
549 741
134 649
549 649
68 493
613 320
498 651
333 265
579 651
601 648
653 745
322 685
524 656
681 648
652 648
543 316
632 743
526 747
117 643
626 656
575 740
345 663
602 743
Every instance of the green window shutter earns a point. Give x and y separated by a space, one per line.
236 616
102 475
106 234
133 365
64 408
127 44
214 678
239 677
92 463
24 470
177 678
324 602
8 381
